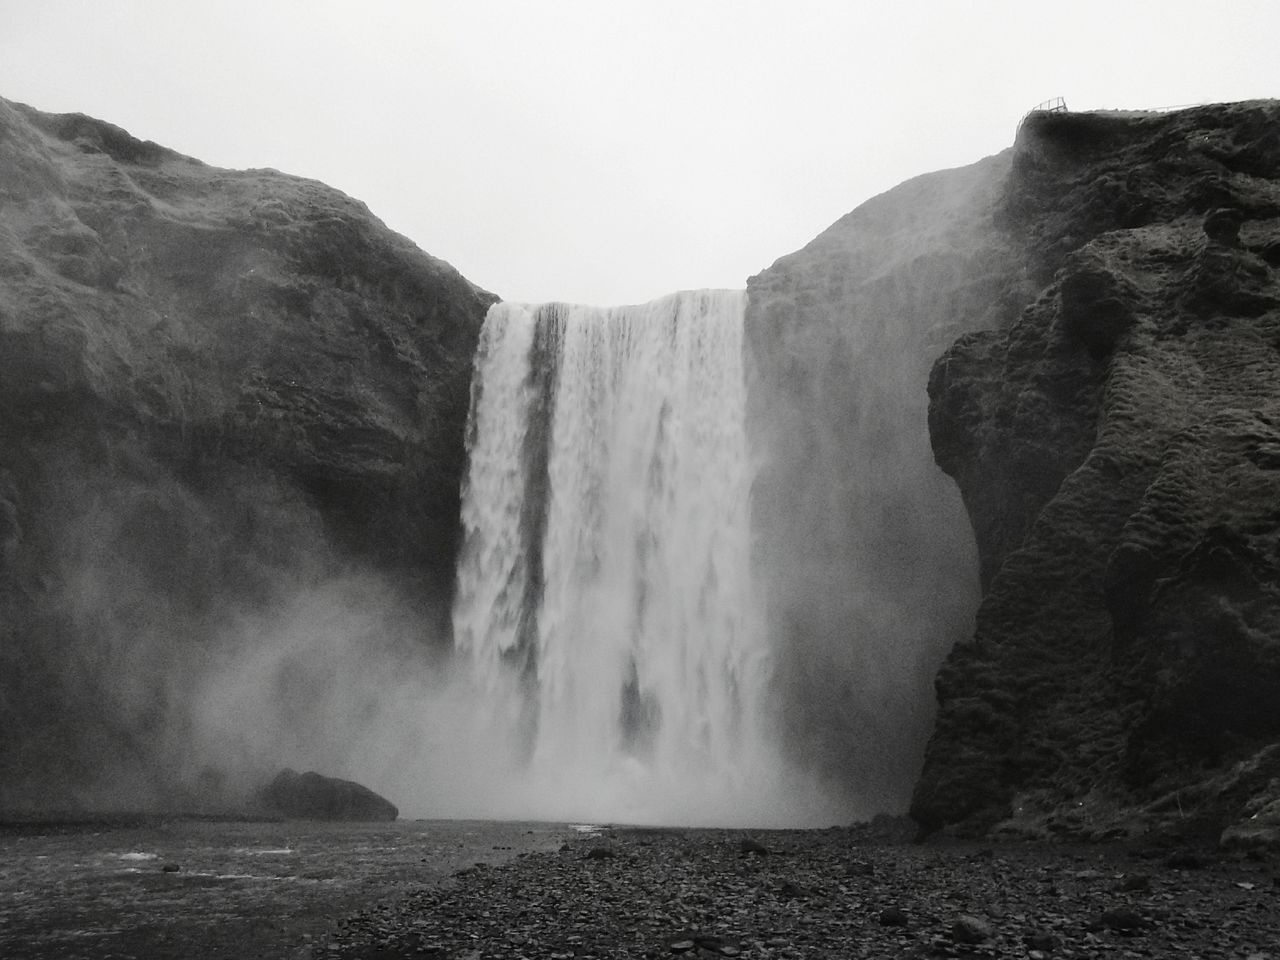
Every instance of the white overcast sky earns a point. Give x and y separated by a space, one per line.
611 151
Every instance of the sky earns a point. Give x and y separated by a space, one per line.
612 151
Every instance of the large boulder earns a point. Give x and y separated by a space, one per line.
313 796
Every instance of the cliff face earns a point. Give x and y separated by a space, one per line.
211 382
862 541
1117 450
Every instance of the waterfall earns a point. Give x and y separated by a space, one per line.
605 597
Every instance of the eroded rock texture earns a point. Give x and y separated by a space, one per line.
1118 450
213 384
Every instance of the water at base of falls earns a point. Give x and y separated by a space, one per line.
605 596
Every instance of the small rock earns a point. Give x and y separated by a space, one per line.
794 891
748 847
893 917
599 853
1123 918
705 942
1185 860
970 929
859 868
713 944
1136 883
170 868
1044 941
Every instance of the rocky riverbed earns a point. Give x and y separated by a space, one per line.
832 893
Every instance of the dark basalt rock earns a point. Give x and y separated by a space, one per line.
893 917
213 383
1115 447
311 796
1223 226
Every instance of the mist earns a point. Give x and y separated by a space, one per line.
189 637
864 548
738 564
200 633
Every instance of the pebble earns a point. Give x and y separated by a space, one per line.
1123 918
1186 860
971 929
693 894
893 917
1045 941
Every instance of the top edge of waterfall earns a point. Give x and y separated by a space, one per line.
666 298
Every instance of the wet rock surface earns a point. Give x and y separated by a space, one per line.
691 893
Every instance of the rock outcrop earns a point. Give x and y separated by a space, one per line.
1118 451
313 796
211 382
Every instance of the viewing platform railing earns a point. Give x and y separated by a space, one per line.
1056 105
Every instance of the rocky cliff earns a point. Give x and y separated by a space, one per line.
231 440
862 541
213 383
1118 450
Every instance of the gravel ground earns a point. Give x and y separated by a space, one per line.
831 893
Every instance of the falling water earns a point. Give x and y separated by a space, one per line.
605 594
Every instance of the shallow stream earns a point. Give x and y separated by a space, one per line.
158 889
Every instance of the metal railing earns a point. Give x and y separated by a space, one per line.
1056 105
